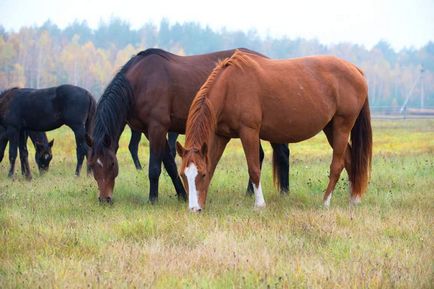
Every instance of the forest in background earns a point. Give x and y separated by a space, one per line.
47 56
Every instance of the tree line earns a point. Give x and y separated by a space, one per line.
46 56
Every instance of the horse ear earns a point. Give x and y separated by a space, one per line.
89 140
204 149
180 149
51 143
107 141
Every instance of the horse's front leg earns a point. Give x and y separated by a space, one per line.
217 146
157 146
170 165
249 190
24 155
250 141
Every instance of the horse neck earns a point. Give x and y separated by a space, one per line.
204 124
112 111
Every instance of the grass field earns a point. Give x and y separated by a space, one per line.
55 234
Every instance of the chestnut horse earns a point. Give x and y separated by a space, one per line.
281 101
152 93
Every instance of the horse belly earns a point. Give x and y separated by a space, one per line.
291 126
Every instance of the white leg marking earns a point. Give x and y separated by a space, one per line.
355 200
98 161
193 196
327 201
259 197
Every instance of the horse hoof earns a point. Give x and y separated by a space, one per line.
355 200
260 206
182 198
153 200
249 193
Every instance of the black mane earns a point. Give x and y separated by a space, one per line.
115 103
6 91
156 51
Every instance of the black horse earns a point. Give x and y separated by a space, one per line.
43 153
134 145
43 110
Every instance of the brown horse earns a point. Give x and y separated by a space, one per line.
152 93
281 101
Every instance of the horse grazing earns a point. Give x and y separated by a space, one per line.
46 109
152 93
133 146
43 153
281 101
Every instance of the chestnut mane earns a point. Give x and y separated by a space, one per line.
201 116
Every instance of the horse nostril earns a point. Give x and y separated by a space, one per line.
109 200
195 209
100 199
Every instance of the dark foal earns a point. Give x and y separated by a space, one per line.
27 109
43 153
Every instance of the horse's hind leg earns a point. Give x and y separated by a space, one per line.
171 138
134 147
170 165
3 144
13 147
81 147
337 133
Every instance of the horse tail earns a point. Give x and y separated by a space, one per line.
281 167
90 115
361 151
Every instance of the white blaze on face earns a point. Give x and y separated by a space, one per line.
259 197
99 162
193 195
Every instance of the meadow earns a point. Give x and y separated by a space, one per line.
55 234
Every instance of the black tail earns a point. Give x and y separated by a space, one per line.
281 166
361 151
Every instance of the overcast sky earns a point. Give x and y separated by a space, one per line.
403 23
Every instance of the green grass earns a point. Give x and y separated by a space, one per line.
54 233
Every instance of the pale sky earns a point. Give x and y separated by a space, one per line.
403 23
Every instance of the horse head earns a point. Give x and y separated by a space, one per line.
43 155
103 162
195 174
